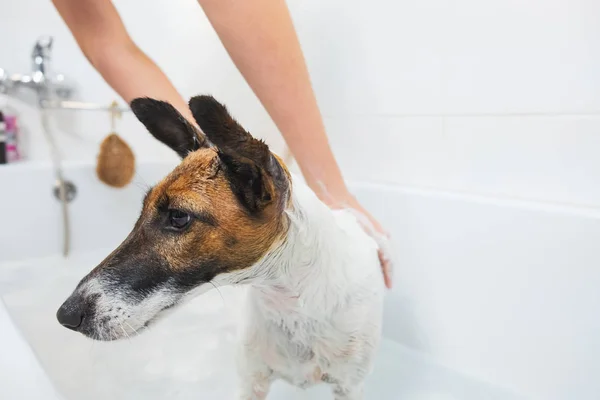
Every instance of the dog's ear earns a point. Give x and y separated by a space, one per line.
224 131
255 176
248 181
166 124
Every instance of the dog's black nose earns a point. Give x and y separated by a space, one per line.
71 313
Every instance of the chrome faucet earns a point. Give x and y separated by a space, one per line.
40 58
41 79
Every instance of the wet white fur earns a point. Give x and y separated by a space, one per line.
314 307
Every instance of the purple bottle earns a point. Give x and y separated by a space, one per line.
12 140
3 159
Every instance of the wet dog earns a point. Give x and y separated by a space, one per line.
231 213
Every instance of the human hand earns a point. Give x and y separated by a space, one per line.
373 229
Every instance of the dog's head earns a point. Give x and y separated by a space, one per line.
214 216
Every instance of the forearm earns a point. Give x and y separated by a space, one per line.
102 37
261 40
136 75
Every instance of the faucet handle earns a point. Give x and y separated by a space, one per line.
43 47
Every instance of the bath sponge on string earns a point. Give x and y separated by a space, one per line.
116 162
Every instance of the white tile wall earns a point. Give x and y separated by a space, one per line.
496 97
549 158
467 56
522 76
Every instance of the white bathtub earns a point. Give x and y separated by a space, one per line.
494 299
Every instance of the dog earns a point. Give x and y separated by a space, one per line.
231 213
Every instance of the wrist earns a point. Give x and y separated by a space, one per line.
335 195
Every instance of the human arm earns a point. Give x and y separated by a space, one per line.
261 40
101 35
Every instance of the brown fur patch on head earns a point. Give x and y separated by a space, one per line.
224 236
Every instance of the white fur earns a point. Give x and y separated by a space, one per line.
314 308
116 316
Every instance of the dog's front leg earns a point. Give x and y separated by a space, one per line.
255 377
254 374
255 383
343 392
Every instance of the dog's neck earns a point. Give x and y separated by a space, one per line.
309 247
316 261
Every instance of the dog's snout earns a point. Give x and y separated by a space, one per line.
71 313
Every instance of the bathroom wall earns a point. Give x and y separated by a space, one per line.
495 97
498 97
176 34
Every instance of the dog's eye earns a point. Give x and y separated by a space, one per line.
179 219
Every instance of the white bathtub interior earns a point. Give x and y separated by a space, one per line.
189 354
481 302
20 371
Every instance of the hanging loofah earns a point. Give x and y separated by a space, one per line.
116 162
